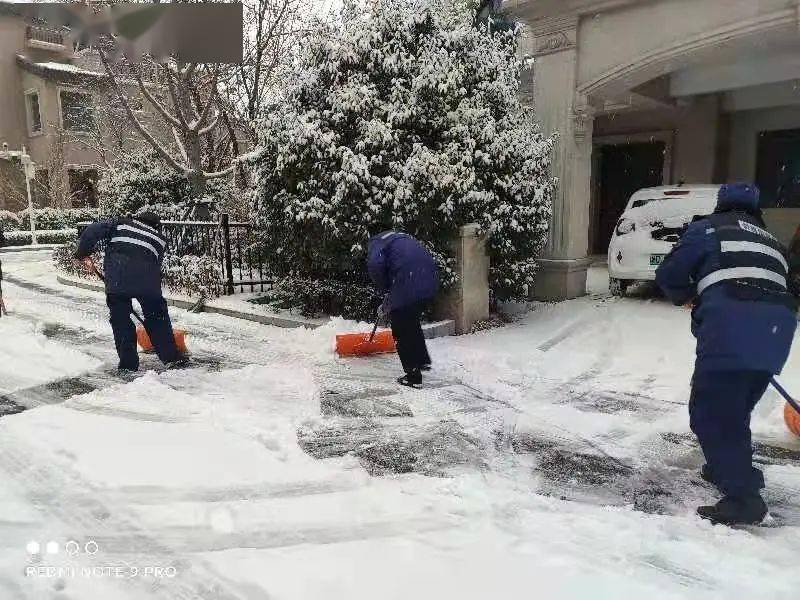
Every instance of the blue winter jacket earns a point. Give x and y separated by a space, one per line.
134 253
732 334
402 267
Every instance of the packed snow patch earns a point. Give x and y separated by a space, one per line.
29 358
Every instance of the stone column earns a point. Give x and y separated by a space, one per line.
468 300
561 110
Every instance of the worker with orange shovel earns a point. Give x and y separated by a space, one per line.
403 269
132 270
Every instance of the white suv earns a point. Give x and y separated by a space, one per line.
652 223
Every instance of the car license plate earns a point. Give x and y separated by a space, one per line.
657 259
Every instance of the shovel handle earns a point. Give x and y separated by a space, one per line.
374 329
792 402
377 322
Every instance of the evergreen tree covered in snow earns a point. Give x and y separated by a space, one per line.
142 181
405 114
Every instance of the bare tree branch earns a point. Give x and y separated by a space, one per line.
181 147
223 173
209 103
135 121
152 100
211 126
176 103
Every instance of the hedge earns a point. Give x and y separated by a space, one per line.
52 236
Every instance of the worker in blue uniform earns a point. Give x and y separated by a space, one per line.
405 272
736 274
134 251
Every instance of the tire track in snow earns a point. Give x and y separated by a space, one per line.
82 514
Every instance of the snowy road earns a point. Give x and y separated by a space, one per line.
549 458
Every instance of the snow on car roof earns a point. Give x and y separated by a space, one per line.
684 188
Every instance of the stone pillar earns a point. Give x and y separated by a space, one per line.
468 300
562 111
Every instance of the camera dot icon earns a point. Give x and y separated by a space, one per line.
91 547
33 548
72 547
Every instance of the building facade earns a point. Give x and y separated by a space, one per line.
652 92
57 103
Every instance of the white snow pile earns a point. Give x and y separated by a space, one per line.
28 358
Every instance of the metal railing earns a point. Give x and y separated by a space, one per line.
42 34
229 244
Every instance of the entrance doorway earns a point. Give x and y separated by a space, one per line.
622 169
778 173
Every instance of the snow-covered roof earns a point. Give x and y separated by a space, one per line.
56 69
68 68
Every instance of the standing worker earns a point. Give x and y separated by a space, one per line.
134 253
744 319
404 271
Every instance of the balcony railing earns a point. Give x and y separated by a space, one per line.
43 36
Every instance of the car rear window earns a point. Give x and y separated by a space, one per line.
674 195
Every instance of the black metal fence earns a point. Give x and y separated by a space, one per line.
230 244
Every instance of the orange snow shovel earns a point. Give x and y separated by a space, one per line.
142 338
361 344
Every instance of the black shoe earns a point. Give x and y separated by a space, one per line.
747 510
181 363
412 379
425 367
126 374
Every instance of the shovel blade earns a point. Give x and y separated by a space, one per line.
359 344
147 345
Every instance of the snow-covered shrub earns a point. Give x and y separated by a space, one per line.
196 276
9 221
57 218
56 236
142 181
64 259
317 297
408 116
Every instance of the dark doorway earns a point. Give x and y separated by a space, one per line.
83 187
622 170
778 173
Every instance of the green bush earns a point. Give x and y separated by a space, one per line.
316 298
57 218
142 181
195 276
408 119
64 259
9 221
58 236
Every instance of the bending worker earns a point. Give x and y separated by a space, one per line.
134 253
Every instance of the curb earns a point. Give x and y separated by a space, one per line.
29 248
431 330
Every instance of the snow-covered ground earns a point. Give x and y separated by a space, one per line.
550 458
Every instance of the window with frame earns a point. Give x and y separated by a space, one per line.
76 111
34 112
